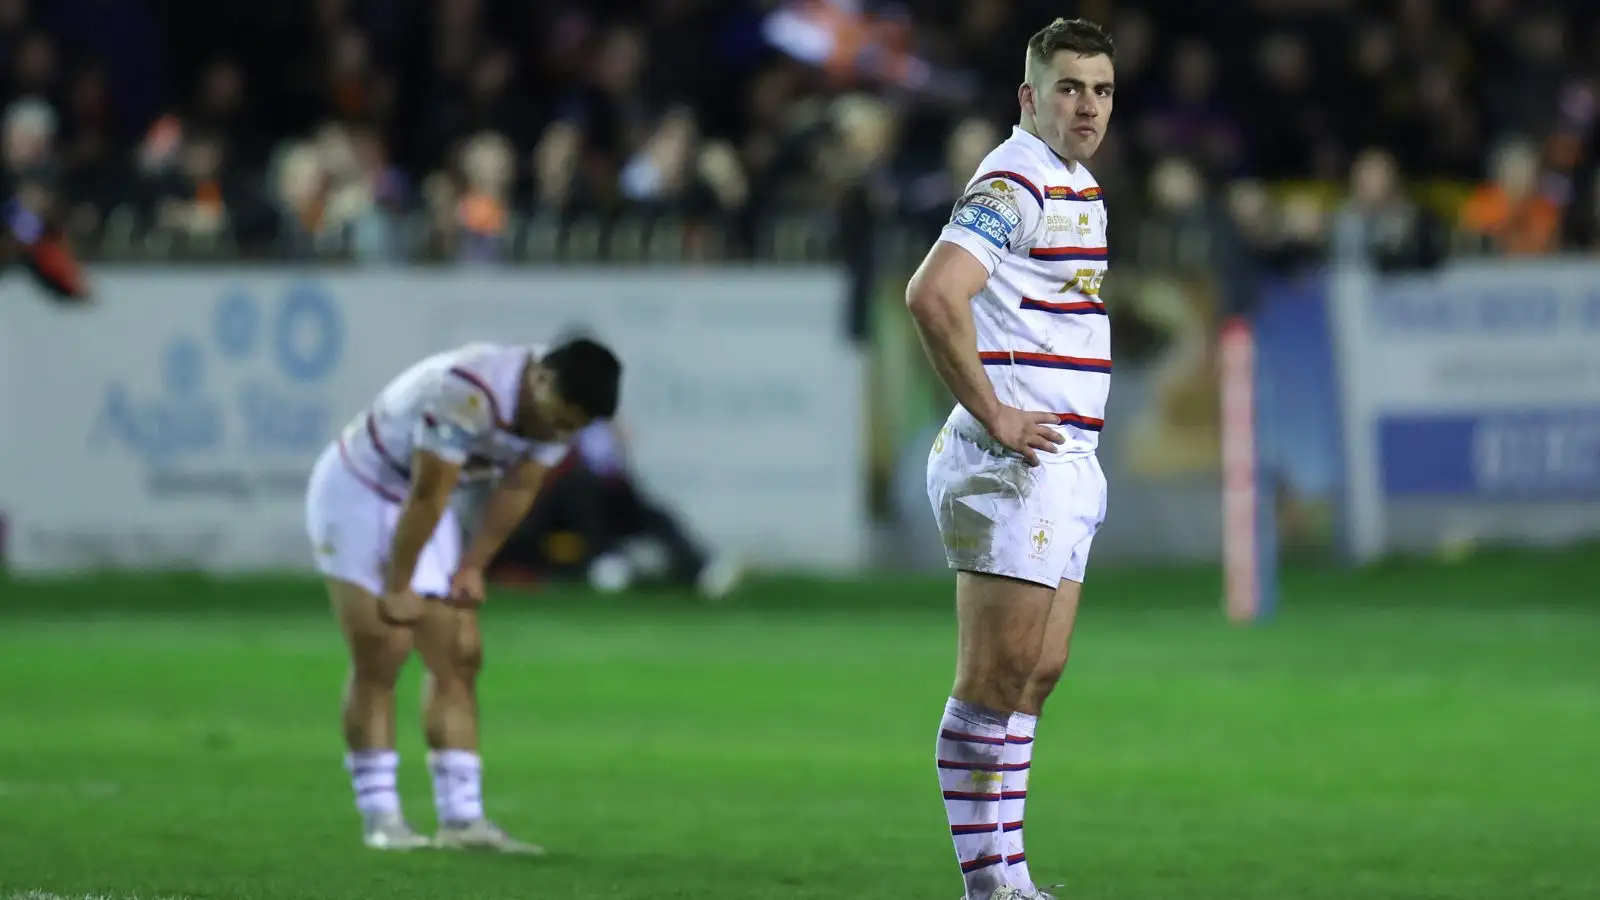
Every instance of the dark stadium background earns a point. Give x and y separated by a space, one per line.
1418 730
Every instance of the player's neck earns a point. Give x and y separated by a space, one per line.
1026 123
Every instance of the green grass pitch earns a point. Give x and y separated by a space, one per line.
1412 732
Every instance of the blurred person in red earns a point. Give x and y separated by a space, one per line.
1511 211
1007 303
30 233
488 166
26 240
863 44
850 42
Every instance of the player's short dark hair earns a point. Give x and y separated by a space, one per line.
1080 36
587 375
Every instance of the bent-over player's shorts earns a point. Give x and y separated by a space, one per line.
351 526
1000 516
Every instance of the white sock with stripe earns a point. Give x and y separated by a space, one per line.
1014 795
373 776
972 746
457 785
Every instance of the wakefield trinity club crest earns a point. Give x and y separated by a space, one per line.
1040 536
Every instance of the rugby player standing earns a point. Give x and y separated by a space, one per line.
1007 304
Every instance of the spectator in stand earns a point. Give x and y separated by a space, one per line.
855 47
1397 232
300 195
35 70
487 169
661 174
92 176
27 240
191 198
1585 219
1511 211
769 103
558 179
931 196
1194 115
220 108
28 144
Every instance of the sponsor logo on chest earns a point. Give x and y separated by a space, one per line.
1077 224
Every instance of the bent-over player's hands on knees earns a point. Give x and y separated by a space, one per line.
400 607
1025 433
466 587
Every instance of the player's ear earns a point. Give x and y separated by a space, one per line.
1025 97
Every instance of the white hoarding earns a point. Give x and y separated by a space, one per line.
173 424
1471 401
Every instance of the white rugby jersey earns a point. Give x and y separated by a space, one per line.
1039 226
459 405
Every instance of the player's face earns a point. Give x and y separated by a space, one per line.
1070 101
554 418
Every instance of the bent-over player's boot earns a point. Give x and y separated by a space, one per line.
481 834
388 831
1044 892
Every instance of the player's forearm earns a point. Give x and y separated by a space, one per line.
951 340
505 510
419 517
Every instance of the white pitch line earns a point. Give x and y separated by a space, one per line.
48 895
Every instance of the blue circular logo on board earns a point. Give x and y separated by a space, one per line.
308 336
237 325
183 366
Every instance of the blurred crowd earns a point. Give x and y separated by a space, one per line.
470 129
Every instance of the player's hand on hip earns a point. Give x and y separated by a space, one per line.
1026 433
400 607
466 587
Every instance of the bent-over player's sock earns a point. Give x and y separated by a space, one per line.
372 775
972 744
457 785
1014 794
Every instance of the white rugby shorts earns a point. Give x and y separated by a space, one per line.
999 516
351 525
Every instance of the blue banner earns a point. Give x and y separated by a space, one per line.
1299 425
1520 455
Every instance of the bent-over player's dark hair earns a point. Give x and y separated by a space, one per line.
587 375
1079 36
